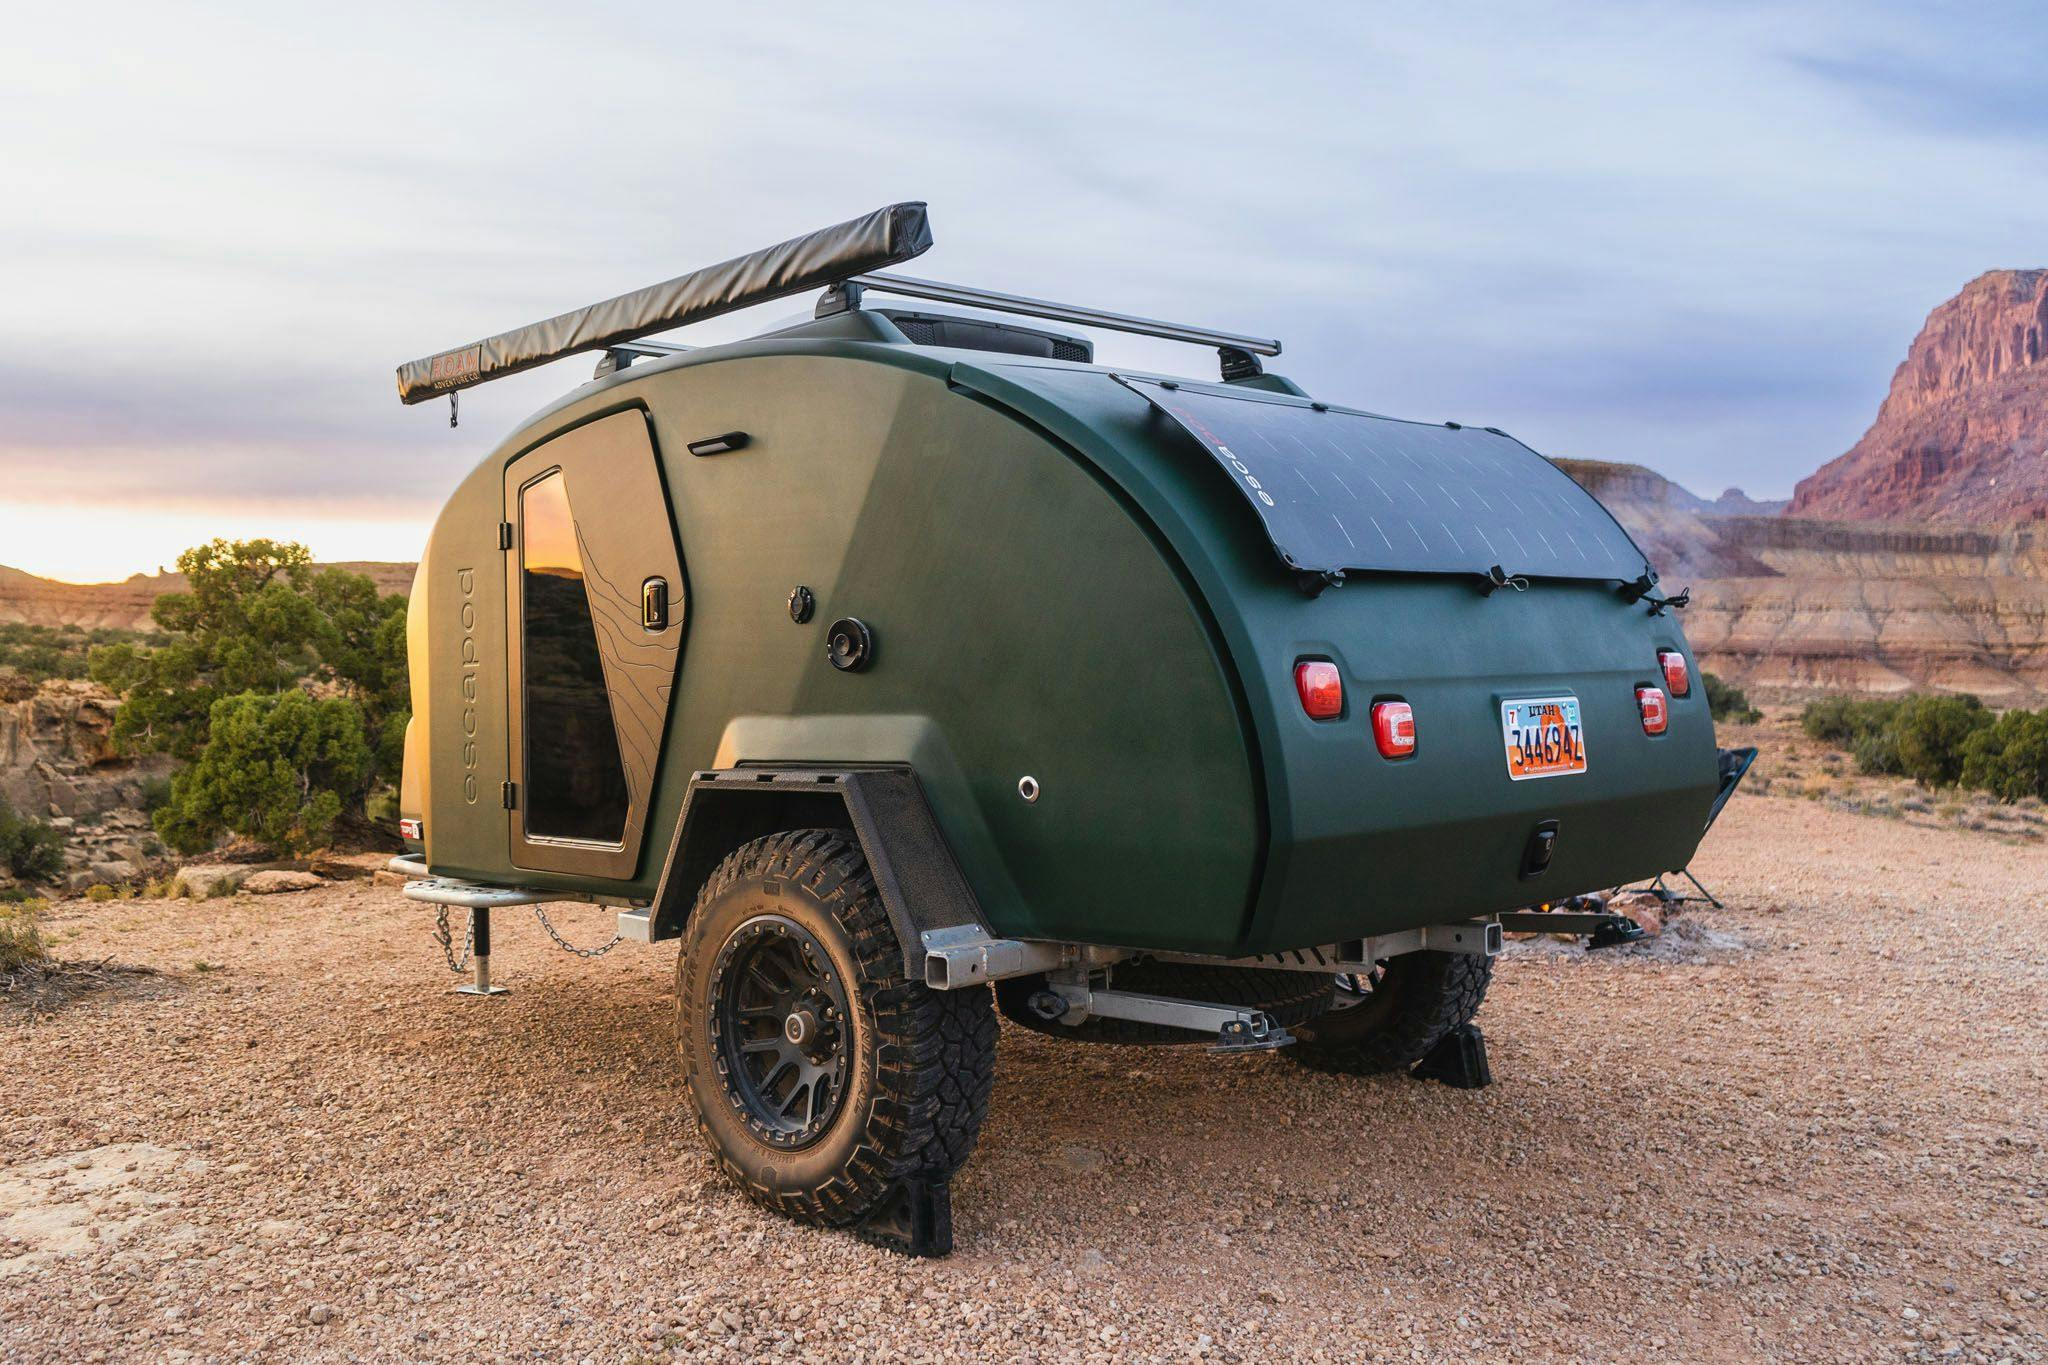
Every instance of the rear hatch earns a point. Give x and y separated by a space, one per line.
1452 576
1532 774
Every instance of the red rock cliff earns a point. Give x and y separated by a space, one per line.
1963 435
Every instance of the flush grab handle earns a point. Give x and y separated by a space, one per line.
654 604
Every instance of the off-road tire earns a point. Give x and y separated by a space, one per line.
1291 998
1417 1001
921 1061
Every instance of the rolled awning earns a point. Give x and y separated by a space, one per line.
888 236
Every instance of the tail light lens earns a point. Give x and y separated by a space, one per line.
409 828
1677 677
1393 728
1321 687
1655 710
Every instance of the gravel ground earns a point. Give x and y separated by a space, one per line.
1818 1137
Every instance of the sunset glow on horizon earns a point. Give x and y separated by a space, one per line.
101 543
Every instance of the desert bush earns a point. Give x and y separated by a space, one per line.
21 939
39 653
1877 751
1726 701
260 624
280 769
32 850
1929 731
155 794
2009 757
1844 720
1940 741
100 891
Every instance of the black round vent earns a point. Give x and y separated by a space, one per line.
850 645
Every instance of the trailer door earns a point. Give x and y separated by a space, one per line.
595 607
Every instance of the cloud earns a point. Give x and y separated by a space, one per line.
1695 236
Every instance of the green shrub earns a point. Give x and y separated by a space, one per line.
1929 732
261 622
39 653
32 850
278 768
1726 701
1844 720
21 939
2009 757
100 891
156 794
1877 751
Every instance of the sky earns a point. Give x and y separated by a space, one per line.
1697 237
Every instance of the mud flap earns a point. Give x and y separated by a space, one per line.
915 1218
1458 1060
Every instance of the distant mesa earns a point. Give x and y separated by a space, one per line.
1962 438
27 599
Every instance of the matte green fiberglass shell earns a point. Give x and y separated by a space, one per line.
1024 624
1061 585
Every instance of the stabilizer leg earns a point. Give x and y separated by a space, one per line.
480 955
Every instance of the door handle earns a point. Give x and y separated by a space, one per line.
654 604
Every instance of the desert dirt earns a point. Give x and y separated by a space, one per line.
1808 1127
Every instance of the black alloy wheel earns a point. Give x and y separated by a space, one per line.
782 1030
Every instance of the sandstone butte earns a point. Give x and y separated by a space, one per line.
1962 437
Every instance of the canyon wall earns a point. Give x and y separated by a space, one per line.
125 605
1792 607
1962 437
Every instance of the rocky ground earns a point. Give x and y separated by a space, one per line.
1808 1127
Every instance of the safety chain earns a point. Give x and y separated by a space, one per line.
542 915
447 940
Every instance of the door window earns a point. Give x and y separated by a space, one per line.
575 782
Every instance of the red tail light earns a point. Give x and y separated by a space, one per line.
1393 728
1655 710
1677 677
1321 687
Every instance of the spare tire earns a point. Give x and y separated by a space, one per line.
1390 1020
1291 998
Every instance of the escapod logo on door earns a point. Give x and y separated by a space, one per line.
472 670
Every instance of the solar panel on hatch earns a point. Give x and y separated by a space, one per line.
1343 490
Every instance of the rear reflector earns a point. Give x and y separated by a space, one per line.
410 828
1656 711
1677 677
1393 728
1321 687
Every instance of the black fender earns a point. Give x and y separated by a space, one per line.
884 807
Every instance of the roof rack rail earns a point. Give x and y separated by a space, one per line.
888 236
1239 352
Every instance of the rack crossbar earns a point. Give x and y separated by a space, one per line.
1071 313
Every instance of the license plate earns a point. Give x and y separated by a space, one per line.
1543 736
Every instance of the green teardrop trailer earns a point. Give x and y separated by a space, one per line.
897 654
